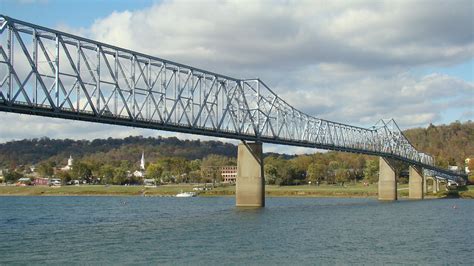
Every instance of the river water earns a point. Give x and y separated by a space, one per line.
203 231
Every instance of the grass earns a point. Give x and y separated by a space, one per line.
98 190
348 191
467 192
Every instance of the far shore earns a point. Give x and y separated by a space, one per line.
346 191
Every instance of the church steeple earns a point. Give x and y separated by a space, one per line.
142 162
69 161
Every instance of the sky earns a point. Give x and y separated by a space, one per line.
354 62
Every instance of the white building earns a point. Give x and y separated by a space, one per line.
138 173
142 162
141 172
467 165
69 164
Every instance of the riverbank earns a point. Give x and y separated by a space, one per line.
348 191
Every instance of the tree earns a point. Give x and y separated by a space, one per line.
195 165
45 169
271 174
81 171
332 168
12 176
64 176
180 169
470 165
316 172
167 177
284 172
194 176
342 175
371 171
301 163
211 166
120 176
154 171
106 173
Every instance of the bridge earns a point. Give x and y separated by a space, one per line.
51 73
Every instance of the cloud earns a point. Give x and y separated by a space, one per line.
296 33
363 101
348 61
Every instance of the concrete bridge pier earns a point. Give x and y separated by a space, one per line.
435 185
387 180
415 183
425 185
250 183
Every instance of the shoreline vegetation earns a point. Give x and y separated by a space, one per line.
348 191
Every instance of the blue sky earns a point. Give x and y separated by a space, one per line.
463 70
74 13
353 62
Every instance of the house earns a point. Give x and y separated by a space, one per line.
39 181
138 173
229 174
467 161
24 181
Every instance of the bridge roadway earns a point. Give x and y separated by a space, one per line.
50 73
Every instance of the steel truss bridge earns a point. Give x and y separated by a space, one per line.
55 74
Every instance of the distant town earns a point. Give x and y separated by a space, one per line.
216 169
166 171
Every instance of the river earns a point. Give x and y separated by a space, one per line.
152 230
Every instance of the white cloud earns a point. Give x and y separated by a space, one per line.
256 34
363 101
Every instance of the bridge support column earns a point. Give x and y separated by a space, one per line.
387 180
250 183
425 186
435 185
415 184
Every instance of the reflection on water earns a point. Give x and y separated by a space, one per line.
148 230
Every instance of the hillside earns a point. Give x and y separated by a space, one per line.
33 151
449 144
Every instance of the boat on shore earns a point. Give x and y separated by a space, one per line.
186 195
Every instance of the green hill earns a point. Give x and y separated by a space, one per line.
33 151
448 143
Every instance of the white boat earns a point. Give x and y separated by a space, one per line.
186 195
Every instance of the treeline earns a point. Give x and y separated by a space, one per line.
330 167
449 144
35 151
113 161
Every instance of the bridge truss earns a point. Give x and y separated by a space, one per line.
51 73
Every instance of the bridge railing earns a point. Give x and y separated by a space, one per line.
48 72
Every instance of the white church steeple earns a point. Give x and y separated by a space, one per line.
69 161
142 162
69 164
